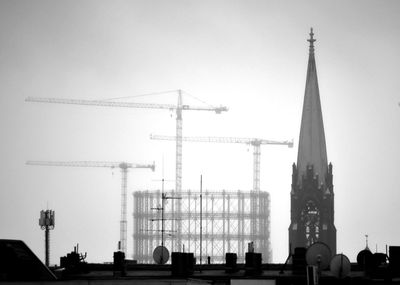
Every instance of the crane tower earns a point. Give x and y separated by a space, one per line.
255 142
124 166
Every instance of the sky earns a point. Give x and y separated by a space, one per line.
248 55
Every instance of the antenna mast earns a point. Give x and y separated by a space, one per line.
201 218
47 223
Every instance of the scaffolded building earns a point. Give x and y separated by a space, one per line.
210 226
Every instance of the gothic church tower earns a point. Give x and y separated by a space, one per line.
312 198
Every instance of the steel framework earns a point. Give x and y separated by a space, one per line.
228 221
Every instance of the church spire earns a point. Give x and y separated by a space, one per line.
312 199
312 146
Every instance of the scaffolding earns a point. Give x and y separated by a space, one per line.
230 220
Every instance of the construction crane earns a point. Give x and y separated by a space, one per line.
124 166
178 108
256 143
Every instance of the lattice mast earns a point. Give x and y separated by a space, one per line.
47 223
161 209
123 222
124 166
179 123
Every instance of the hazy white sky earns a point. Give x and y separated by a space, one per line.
248 55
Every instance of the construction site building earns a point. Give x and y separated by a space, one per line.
226 222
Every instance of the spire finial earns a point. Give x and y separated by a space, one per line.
311 40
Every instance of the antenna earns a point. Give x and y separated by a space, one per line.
340 266
201 218
161 255
363 256
319 254
162 172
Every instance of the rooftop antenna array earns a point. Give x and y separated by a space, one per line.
161 253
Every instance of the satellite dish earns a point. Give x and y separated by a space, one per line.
161 254
340 266
319 254
363 257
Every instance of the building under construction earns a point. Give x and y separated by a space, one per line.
219 221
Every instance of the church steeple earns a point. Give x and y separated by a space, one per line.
312 146
312 197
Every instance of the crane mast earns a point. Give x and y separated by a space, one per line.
124 183
179 123
256 166
123 222
177 225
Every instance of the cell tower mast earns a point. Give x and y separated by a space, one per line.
47 223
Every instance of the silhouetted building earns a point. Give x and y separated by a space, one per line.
312 198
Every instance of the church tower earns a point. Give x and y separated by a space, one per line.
312 198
